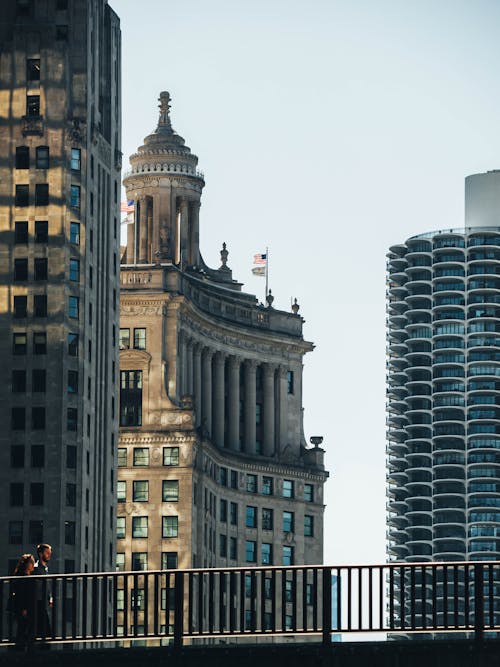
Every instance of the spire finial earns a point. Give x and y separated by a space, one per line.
164 106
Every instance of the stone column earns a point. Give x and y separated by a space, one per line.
182 363
130 256
197 382
149 230
184 224
194 233
234 403
189 367
206 408
249 408
143 231
218 399
282 416
268 424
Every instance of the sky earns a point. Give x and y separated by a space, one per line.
327 131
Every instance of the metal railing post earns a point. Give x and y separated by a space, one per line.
478 601
178 609
327 605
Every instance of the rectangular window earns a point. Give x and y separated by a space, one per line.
140 491
21 269
19 343
169 560
33 69
167 600
130 398
139 526
250 551
234 479
22 157
73 344
223 476
36 493
170 490
288 488
290 382
18 382
74 307
38 380
267 518
251 517
41 194
33 106
76 159
21 232
41 268
232 548
124 341
288 522
71 457
223 546
120 562
266 553
288 556
70 495
72 382
41 231
16 494
121 491
38 418
309 493
74 233
35 532
267 486
170 456
139 558
233 513
71 419
120 527
139 339
308 526
62 33
223 510
39 342
20 306
252 483
141 456
42 157
17 456
22 195
170 526
37 456
75 196
40 305
122 457
15 532
74 270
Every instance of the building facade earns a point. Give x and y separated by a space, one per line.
59 288
213 464
444 386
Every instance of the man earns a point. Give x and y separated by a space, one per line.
44 596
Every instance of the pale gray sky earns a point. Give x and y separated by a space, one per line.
327 131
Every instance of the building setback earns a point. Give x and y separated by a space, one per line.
213 464
59 299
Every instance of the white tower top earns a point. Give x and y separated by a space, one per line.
482 199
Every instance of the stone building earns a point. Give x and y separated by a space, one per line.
213 464
59 289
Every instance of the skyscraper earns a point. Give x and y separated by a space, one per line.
444 386
59 257
213 463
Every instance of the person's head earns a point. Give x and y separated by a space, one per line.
44 552
25 565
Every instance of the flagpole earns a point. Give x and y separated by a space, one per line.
267 274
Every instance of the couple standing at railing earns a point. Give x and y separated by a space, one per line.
29 601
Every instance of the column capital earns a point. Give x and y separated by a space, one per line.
282 371
207 352
235 361
219 357
197 348
184 202
269 368
251 363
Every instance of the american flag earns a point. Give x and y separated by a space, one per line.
260 258
127 206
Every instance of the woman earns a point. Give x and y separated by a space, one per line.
23 600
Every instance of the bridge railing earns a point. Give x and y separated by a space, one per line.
172 606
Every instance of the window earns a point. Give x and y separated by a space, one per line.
62 33
41 231
287 556
18 382
42 157
70 495
120 562
18 419
76 159
288 488
22 195
167 599
73 344
234 479
140 491
21 269
232 548
33 69
38 456
252 483
19 343
74 233
120 527
309 493
16 494
38 380
130 398
17 456
36 493
61 5
38 418
39 342
22 157
267 518
170 490
71 457
250 551
124 340
308 526
122 457
15 532
75 196
21 232
139 526
41 269
139 339
74 307
41 194
223 476
233 513
35 532
170 526
33 105
288 522
139 558
74 270
20 306
121 491
223 546
251 517
223 510
267 486
169 560
170 456
72 419
266 553
40 305
289 382
72 382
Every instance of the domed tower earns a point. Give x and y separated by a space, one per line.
166 187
